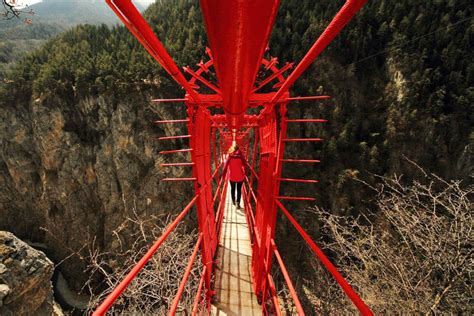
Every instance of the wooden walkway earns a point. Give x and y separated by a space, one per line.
233 281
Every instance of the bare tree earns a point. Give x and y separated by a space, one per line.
154 289
413 254
12 10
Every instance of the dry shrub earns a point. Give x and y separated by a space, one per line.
413 255
155 287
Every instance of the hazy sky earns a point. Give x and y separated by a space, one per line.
30 2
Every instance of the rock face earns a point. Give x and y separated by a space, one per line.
25 278
72 172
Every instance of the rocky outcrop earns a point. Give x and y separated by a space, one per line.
25 278
72 172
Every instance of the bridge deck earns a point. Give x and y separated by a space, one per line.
233 281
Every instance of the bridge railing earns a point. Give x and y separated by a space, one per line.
353 296
122 286
114 295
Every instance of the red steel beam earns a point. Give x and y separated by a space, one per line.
291 288
112 297
175 303
298 180
301 160
296 198
358 302
276 303
272 76
238 33
174 151
171 121
167 100
303 139
197 299
178 179
309 98
135 22
174 137
201 79
345 14
177 164
306 121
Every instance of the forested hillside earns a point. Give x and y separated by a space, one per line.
49 18
78 153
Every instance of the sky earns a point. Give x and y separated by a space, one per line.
30 2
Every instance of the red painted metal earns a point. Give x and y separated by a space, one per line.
167 100
238 33
303 140
197 299
296 198
201 79
174 137
175 151
134 21
177 164
276 303
340 20
272 76
171 121
364 310
301 160
298 180
309 98
306 121
175 303
112 297
291 288
178 179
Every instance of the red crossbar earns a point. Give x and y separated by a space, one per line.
174 306
301 160
165 152
309 98
298 180
171 121
303 140
296 198
348 10
134 21
177 164
167 100
178 179
306 121
197 299
112 297
174 137
291 288
276 303
364 309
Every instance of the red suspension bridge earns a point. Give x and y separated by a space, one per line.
237 248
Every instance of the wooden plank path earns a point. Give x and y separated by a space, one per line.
233 280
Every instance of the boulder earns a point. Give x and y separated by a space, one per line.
25 278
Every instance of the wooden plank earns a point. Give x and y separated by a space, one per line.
233 280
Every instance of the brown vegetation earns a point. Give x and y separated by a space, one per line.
413 255
154 289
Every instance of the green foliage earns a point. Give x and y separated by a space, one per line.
401 75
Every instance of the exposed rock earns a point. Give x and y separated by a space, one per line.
25 280
71 173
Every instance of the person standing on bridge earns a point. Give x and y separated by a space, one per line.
236 165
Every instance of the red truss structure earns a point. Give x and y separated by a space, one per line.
231 76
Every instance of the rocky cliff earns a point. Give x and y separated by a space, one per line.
25 279
71 173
